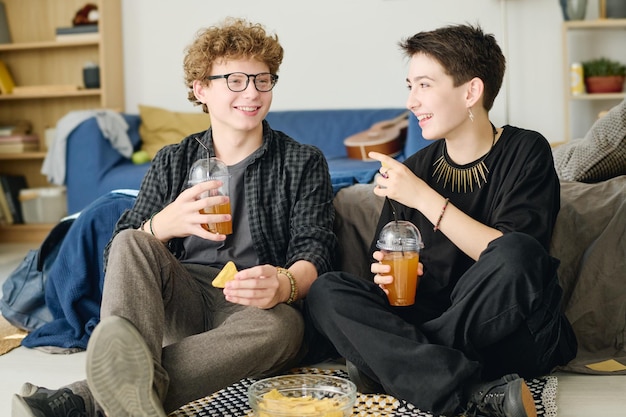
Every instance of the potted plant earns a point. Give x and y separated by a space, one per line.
603 75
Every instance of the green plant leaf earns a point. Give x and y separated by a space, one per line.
603 67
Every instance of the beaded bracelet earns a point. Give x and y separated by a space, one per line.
293 295
443 210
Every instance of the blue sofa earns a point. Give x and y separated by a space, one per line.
94 167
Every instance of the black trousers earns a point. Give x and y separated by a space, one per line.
504 317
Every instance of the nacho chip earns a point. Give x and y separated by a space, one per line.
275 401
226 274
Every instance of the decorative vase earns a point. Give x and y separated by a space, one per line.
607 84
576 9
616 9
563 4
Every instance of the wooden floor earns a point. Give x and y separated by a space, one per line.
577 395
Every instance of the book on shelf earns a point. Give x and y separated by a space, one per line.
19 127
3 221
19 143
6 81
5 34
7 218
77 33
77 29
43 89
20 147
79 37
11 186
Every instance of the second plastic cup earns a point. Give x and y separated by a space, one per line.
401 243
213 169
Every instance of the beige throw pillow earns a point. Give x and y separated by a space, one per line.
160 127
600 155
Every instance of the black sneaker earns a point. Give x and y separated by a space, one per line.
42 402
364 384
508 396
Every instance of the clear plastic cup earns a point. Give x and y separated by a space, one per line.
401 243
213 169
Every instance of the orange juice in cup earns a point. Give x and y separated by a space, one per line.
213 169
405 279
224 228
401 242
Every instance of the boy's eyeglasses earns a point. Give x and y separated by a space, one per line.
238 81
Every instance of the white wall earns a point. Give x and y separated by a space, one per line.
352 46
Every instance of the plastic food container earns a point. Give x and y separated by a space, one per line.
302 395
43 205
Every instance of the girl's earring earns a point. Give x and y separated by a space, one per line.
471 115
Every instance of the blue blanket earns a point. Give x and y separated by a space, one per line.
73 289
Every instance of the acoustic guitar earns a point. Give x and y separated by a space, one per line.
384 137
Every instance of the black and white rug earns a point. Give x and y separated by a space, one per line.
232 401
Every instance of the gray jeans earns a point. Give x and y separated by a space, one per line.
201 343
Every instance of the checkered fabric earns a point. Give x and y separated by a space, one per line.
233 402
600 155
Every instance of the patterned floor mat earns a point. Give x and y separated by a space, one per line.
232 401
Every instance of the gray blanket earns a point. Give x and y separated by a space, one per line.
590 240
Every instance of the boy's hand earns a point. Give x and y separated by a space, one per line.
182 217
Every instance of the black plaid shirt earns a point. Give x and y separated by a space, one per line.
287 187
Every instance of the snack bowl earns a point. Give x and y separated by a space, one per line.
302 395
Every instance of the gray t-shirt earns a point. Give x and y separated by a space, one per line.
238 246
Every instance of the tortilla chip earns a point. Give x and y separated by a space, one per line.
226 274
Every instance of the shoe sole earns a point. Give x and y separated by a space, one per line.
528 401
28 389
120 370
19 408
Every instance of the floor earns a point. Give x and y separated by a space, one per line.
577 395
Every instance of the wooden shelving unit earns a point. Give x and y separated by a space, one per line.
581 110
35 58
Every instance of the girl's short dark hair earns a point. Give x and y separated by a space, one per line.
465 52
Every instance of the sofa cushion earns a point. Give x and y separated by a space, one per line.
90 160
357 210
124 176
327 129
600 155
160 127
345 172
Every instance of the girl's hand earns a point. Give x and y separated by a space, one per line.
397 182
382 276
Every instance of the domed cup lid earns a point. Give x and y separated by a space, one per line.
400 236
206 169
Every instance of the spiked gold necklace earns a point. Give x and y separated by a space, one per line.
462 179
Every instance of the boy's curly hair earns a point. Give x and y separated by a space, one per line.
234 39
